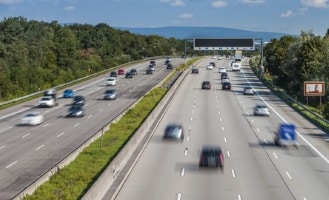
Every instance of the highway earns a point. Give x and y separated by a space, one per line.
254 168
26 153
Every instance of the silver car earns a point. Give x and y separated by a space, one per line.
110 94
174 131
248 90
261 109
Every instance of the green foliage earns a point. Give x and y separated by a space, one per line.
38 55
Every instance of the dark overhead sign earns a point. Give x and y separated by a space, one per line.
224 44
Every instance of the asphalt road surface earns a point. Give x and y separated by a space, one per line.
254 168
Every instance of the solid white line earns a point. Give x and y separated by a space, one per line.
77 124
24 136
11 164
2 147
275 156
288 175
233 173
239 197
38 148
179 196
182 172
59 135
258 130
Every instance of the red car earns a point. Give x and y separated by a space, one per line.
121 71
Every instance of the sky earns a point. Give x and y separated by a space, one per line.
281 16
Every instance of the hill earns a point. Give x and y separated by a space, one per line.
181 32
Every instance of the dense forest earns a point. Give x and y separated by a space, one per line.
38 55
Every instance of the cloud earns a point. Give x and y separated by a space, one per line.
185 16
218 4
288 13
174 3
69 8
315 3
252 1
10 1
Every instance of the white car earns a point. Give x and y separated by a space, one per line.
222 69
210 67
248 90
111 81
47 101
32 118
261 109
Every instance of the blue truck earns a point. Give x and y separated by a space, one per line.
286 135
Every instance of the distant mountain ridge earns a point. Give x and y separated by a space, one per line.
187 32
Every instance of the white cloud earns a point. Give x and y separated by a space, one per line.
253 1
186 16
315 3
218 4
288 13
10 1
69 8
174 3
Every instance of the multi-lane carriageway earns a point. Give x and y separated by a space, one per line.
254 169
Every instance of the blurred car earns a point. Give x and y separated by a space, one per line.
149 71
212 63
214 57
248 90
226 86
110 94
78 100
222 69
210 67
174 131
121 72
32 118
225 80
261 109
133 71
167 61
76 110
195 71
224 75
206 85
113 74
111 81
47 101
211 156
68 93
170 66
152 62
129 75
151 67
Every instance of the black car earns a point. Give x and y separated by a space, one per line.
113 74
78 100
206 85
110 94
174 131
211 156
128 75
195 71
133 71
226 86
170 66
149 71
76 111
223 75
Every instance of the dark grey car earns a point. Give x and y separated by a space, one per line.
174 132
76 111
211 156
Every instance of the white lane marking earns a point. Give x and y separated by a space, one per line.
100 110
220 119
265 141
59 135
185 152
2 147
77 124
39 147
225 139
233 173
288 175
192 112
275 156
89 116
188 138
252 121
219 112
182 171
24 136
179 196
191 118
304 198
45 125
11 164
239 197
228 154
189 128
257 129
299 135
222 128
